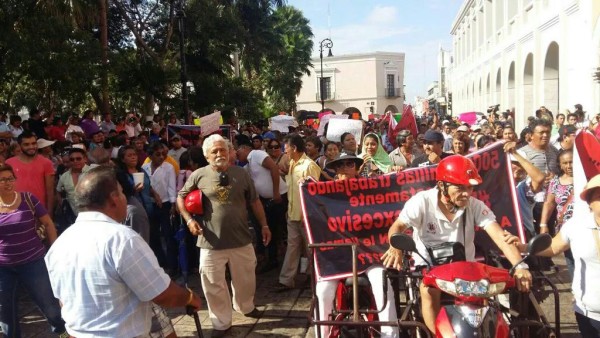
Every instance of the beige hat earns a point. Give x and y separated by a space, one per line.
43 143
591 185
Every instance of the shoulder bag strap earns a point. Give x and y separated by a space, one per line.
559 218
29 203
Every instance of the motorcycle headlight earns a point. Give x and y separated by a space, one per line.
480 288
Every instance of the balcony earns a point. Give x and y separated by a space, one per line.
392 92
328 97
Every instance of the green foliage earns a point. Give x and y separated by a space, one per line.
50 55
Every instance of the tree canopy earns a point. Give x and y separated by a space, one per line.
246 56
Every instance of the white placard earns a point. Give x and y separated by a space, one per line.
325 119
337 127
282 122
210 123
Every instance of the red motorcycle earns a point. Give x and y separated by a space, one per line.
474 312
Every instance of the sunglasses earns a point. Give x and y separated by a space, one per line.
74 159
277 146
347 164
223 179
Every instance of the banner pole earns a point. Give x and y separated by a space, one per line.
354 285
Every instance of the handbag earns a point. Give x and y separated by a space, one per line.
563 212
40 228
449 252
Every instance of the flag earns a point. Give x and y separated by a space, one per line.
585 166
404 121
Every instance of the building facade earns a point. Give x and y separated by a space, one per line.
524 54
369 82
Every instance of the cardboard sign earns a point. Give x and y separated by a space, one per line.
325 120
337 127
210 123
282 122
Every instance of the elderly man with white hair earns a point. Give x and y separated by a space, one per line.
223 234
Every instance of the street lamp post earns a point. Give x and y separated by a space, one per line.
184 87
325 43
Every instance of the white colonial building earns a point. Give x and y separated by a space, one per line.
525 54
369 82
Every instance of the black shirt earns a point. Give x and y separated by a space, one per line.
37 127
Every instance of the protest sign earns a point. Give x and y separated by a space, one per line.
324 120
190 134
210 123
362 210
337 127
282 122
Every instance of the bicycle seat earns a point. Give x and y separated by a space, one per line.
363 281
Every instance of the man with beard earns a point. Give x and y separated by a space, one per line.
34 173
223 234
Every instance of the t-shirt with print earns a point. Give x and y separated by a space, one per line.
431 227
31 176
225 219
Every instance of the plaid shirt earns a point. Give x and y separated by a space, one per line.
105 275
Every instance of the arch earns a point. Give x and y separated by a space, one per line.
498 91
391 108
551 78
528 87
511 86
488 90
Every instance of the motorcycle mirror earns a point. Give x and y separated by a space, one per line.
539 243
403 242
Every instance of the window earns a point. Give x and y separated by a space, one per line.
325 88
390 85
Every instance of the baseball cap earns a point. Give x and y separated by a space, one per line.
433 136
445 122
566 130
462 128
475 127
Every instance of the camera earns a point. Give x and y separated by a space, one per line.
132 119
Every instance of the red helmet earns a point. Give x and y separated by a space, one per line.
193 202
457 169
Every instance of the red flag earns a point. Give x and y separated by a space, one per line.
407 122
588 148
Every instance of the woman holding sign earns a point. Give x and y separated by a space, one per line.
376 159
346 167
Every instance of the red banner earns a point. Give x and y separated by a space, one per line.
362 210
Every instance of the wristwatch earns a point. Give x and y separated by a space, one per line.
522 266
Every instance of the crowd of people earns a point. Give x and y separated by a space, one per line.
67 186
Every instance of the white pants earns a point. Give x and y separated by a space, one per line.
326 291
242 265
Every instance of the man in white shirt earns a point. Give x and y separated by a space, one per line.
272 190
163 183
102 272
132 127
448 213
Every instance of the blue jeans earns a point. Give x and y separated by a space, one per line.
33 276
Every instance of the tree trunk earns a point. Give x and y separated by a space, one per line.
105 106
149 104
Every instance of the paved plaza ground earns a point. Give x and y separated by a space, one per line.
284 314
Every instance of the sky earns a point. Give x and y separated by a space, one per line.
415 27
